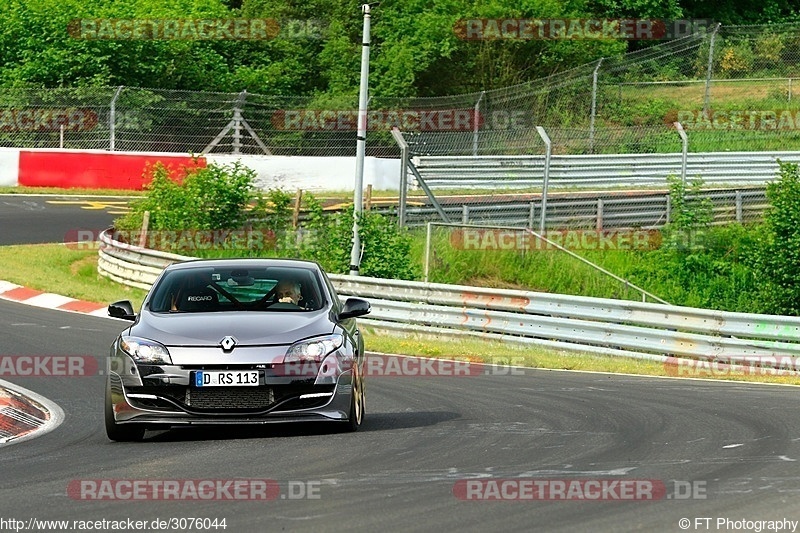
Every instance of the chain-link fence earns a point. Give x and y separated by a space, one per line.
734 87
157 120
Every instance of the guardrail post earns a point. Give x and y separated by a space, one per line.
669 207
144 230
531 213
465 214
426 269
401 142
684 150
739 207
548 153
599 214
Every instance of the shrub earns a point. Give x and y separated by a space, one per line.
690 215
778 260
769 48
273 211
736 60
327 239
212 198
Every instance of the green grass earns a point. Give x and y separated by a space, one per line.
63 270
536 270
718 274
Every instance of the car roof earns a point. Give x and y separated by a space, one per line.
255 262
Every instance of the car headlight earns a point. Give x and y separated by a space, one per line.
313 349
145 350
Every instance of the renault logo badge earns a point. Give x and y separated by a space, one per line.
227 343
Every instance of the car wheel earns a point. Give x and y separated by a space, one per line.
120 432
356 417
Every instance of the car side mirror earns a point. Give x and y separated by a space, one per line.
122 309
354 307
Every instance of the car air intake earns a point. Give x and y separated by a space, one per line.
229 398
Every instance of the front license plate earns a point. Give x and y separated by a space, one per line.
230 378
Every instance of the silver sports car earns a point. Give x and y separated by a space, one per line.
240 341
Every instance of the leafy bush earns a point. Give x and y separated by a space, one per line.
768 48
778 260
714 273
273 211
212 198
690 215
327 239
699 265
736 60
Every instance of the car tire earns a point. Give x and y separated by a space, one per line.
356 416
120 432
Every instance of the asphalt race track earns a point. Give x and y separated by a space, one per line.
38 219
421 437
736 446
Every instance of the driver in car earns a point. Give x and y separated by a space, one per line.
288 292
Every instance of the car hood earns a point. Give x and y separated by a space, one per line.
249 328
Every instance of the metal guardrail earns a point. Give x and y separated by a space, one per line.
600 170
639 209
595 325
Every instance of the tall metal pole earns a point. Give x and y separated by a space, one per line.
546 176
112 121
710 69
361 143
237 122
476 118
594 106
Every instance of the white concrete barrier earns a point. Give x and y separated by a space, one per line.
9 167
315 173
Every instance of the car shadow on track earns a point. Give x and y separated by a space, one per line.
373 422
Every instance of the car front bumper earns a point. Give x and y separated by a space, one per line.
164 395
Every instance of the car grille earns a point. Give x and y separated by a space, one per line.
229 398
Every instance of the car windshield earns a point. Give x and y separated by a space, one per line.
211 289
